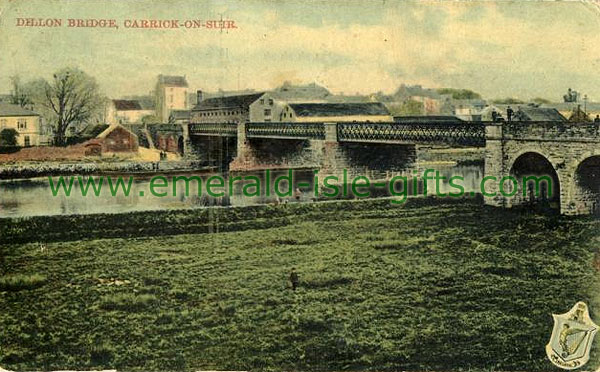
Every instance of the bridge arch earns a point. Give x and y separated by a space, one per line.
585 194
531 171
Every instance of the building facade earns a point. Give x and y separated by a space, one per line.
117 138
123 111
231 109
27 124
171 94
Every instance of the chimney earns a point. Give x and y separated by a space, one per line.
198 96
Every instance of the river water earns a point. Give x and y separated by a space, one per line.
34 197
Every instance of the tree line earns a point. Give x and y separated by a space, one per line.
70 97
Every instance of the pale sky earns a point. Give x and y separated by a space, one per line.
499 49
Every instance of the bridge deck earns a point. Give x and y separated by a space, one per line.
451 133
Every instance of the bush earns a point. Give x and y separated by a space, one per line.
101 354
8 137
18 282
9 149
127 302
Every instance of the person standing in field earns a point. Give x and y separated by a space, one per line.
294 279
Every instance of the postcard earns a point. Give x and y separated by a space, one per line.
299 185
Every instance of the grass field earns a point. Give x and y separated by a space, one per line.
431 287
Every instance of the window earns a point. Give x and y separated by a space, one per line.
267 112
2 123
27 141
270 102
262 101
22 124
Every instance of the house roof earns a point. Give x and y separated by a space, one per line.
538 114
7 109
174 81
111 128
127 105
308 92
93 130
416 90
146 102
427 119
473 102
338 109
241 101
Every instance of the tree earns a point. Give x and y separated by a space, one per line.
19 94
508 101
407 108
8 137
540 100
460 93
70 97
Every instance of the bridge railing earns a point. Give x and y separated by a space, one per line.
286 130
460 134
463 134
213 129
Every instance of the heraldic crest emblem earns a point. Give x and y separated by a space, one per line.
572 336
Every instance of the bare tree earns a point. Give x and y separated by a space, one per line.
19 95
70 97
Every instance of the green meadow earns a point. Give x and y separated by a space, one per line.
423 286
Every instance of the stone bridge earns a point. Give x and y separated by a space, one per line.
567 153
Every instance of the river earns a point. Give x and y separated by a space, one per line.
34 197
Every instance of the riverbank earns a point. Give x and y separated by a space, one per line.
188 221
63 168
429 285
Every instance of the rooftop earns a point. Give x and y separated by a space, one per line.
427 119
338 109
126 105
111 128
146 102
538 114
310 91
241 101
174 81
7 109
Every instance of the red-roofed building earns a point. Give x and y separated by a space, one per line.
117 138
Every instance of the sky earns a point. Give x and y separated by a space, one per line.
499 49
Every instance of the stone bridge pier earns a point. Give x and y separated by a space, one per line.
567 154
216 151
325 153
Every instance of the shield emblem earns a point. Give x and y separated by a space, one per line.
572 336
